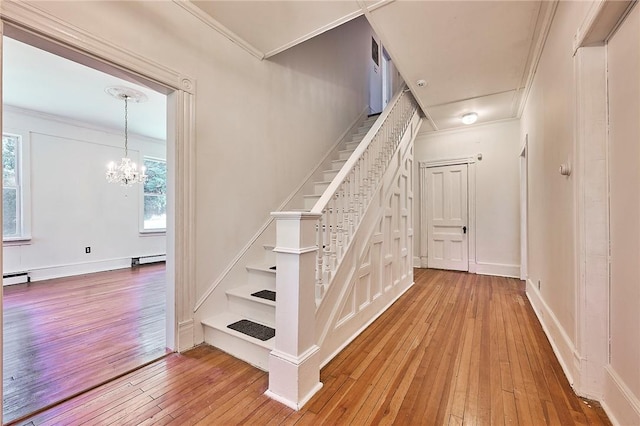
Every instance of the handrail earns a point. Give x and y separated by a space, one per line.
353 158
344 202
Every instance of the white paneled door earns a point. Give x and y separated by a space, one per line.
447 226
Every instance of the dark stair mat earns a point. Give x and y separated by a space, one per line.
253 329
265 294
273 268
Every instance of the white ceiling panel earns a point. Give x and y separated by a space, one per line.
40 81
273 26
489 108
462 49
472 54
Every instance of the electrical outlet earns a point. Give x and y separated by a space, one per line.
87 250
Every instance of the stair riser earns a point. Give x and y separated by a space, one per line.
344 155
262 279
337 164
255 311
329 175
239 348
269 257
351 145
309 202
320 187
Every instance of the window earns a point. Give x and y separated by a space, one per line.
11 188
155 195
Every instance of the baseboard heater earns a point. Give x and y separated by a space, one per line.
144 260
16 278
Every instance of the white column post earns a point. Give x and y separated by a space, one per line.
294 364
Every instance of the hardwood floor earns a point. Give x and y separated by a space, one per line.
456 349
65 336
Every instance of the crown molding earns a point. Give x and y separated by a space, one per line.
217 26
545 18
27 22
323 29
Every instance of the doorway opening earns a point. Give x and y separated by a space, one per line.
65 227
387 78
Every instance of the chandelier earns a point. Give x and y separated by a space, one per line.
126 172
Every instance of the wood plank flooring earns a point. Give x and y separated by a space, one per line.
456 349
64 336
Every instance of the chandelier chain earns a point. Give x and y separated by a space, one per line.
126 124
126 172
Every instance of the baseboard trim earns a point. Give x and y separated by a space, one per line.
619 402
185 335
497 269
416 262
561 344
69 270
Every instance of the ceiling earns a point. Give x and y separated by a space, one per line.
476 56
30 82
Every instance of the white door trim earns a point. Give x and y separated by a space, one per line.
524 207
471 206
36 27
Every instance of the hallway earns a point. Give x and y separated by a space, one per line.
457 348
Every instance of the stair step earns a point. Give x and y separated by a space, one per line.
246 292
311 200
243 302
269 255
253 329
247 348
337 164
345 154
320 187
261 275
352 145
328 175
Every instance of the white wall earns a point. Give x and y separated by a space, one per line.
71 205
557 133
548 120
497 241
260 125
623 376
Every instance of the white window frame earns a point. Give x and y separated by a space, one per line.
24 188
142 230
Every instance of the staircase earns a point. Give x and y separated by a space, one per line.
250 309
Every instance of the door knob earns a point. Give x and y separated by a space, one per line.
464 229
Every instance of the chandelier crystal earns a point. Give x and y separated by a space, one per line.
126 172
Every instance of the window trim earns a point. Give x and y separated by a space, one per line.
24 184
141 229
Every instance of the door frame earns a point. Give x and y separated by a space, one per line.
387 77
28 23
524 208
471 206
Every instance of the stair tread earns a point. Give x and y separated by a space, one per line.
263 267
222 320
245 292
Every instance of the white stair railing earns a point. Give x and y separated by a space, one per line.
311 245
344 202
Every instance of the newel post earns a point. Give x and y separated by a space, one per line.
294 364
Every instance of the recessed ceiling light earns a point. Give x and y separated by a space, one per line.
469 118
421 83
